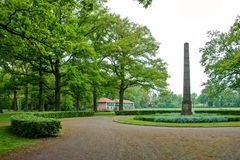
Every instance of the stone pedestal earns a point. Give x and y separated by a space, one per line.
186 103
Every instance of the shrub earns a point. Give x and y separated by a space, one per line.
191 119
174 118
145 112
64 114
222 112
33 127
232 118
144 118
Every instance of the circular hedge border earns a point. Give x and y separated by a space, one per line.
189 118
232 121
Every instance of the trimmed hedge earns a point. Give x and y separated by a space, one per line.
64 114
145 112
222 112
42 124
189 119
34 127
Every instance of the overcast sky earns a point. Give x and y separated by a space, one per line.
173 22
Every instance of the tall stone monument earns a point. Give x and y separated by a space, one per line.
186 103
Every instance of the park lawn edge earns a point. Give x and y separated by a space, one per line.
10 142
129 120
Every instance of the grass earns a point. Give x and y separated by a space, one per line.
10 142
6 116
130 120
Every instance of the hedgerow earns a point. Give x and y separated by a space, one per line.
42 124
222 112
34 127
189 118
64 114
144 112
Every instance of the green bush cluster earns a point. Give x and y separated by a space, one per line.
232 118
222 112
34 127
189 118
64 114
145 112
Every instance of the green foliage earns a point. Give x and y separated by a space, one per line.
104 113
190 119
129 56
10 142
168 99
139 95
34 127
146 3
6 117
214 97
221 56
65 114
219 111
198 118
131 120
144 112
52 49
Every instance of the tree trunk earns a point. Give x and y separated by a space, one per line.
31 106
14 101
9 101
77 103
121 96
57 86
40 88
26 98
94 98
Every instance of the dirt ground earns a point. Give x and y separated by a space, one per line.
99 138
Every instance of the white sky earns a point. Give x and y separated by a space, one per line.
173 22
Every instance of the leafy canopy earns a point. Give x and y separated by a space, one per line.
221 57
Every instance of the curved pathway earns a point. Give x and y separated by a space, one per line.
99 138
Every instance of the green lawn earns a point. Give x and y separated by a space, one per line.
9 142
130 120
6 116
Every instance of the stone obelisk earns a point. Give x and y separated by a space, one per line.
186 103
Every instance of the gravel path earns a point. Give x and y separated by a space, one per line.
99 138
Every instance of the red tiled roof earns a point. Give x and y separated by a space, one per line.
102 100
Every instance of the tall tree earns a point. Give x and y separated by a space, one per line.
57 30
221 57
130 58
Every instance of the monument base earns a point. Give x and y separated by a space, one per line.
186 108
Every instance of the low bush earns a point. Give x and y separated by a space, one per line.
64 114
222 112
232 118
34 127
191 119
144 118
145 112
